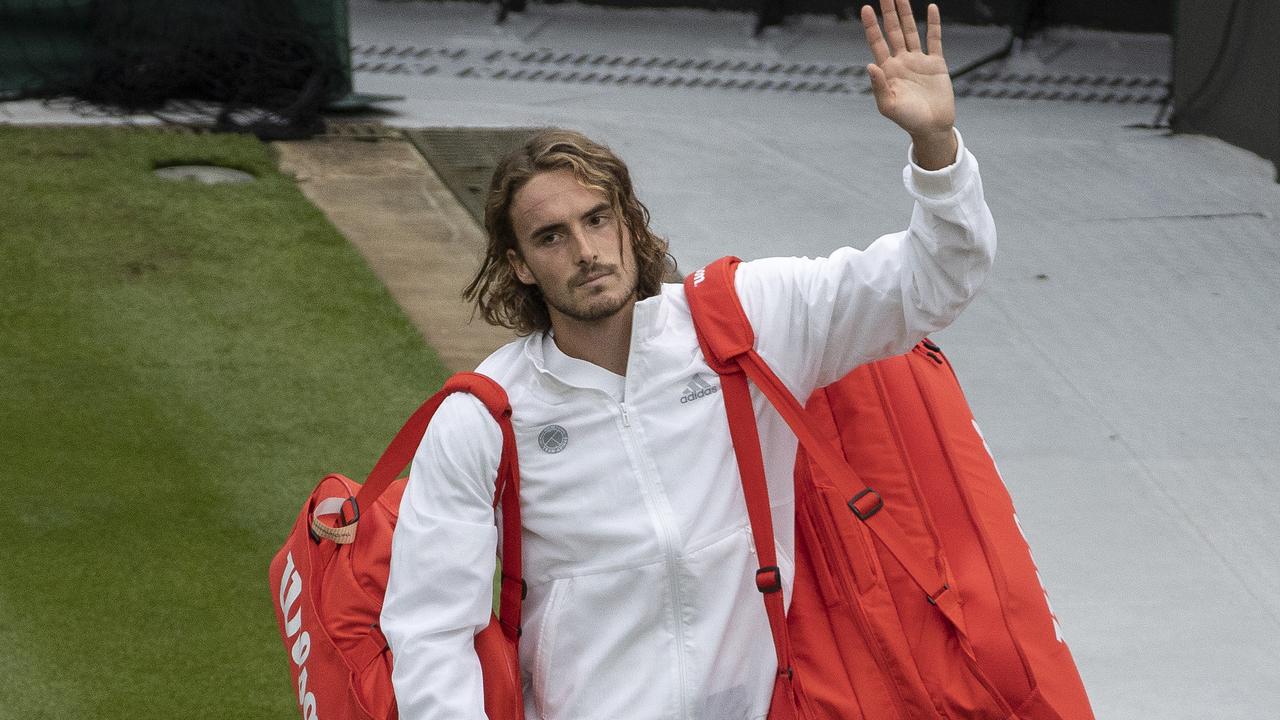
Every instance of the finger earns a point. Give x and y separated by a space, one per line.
910 34
934 30
879 86
879 50
878 81
892 29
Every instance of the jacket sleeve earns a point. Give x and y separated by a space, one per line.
440 587
817 319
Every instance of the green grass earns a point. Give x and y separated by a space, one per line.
179 365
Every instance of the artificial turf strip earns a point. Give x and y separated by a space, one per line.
179 365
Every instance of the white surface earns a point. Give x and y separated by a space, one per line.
1127 394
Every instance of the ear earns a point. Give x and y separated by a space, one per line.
519 267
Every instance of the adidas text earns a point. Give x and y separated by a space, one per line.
697 388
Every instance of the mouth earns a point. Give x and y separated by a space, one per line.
589 279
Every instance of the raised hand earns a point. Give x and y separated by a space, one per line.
912 88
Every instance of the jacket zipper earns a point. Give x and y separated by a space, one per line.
663 510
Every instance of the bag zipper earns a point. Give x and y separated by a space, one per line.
824 525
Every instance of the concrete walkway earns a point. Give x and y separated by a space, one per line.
418 239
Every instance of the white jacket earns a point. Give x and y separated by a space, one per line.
639 560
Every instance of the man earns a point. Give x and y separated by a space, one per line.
637 552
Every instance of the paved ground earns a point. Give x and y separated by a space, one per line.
386 199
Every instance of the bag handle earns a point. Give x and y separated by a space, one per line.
727 342
400 452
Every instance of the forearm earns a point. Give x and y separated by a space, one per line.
438 597
439 590
816 320
935 151
438 678
950 243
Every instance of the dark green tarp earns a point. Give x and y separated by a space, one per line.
1224 73
49 47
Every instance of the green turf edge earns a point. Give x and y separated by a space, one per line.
179 365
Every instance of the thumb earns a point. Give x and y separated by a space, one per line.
879 84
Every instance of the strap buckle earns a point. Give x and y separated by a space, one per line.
769 579
933 599
865 514
355 511
344 531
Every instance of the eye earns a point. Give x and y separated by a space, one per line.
549 239
599 219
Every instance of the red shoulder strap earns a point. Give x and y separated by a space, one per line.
725 335
507 489
723 330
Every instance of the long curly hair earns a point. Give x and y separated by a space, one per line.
498 294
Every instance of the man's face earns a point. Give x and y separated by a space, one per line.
573 246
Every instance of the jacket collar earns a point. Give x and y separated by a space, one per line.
554 366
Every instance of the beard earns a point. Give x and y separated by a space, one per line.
590 309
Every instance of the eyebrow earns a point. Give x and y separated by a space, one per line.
601 207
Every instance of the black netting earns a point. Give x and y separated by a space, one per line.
244 65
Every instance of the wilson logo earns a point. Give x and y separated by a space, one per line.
1057 627
290 594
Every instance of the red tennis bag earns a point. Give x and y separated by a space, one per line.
328 581
915 593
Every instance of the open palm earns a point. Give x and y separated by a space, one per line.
912 88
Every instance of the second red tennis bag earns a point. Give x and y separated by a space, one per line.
915 594
328 581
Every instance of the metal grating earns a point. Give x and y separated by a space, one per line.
552 66
359 130
1068 87
465 158
584 60
608 69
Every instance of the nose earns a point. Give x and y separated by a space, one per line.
584 248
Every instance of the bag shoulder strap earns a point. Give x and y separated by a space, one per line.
727 342
404 445
724 333
506 490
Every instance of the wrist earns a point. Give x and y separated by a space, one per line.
935 150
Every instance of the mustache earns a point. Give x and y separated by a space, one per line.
595 271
